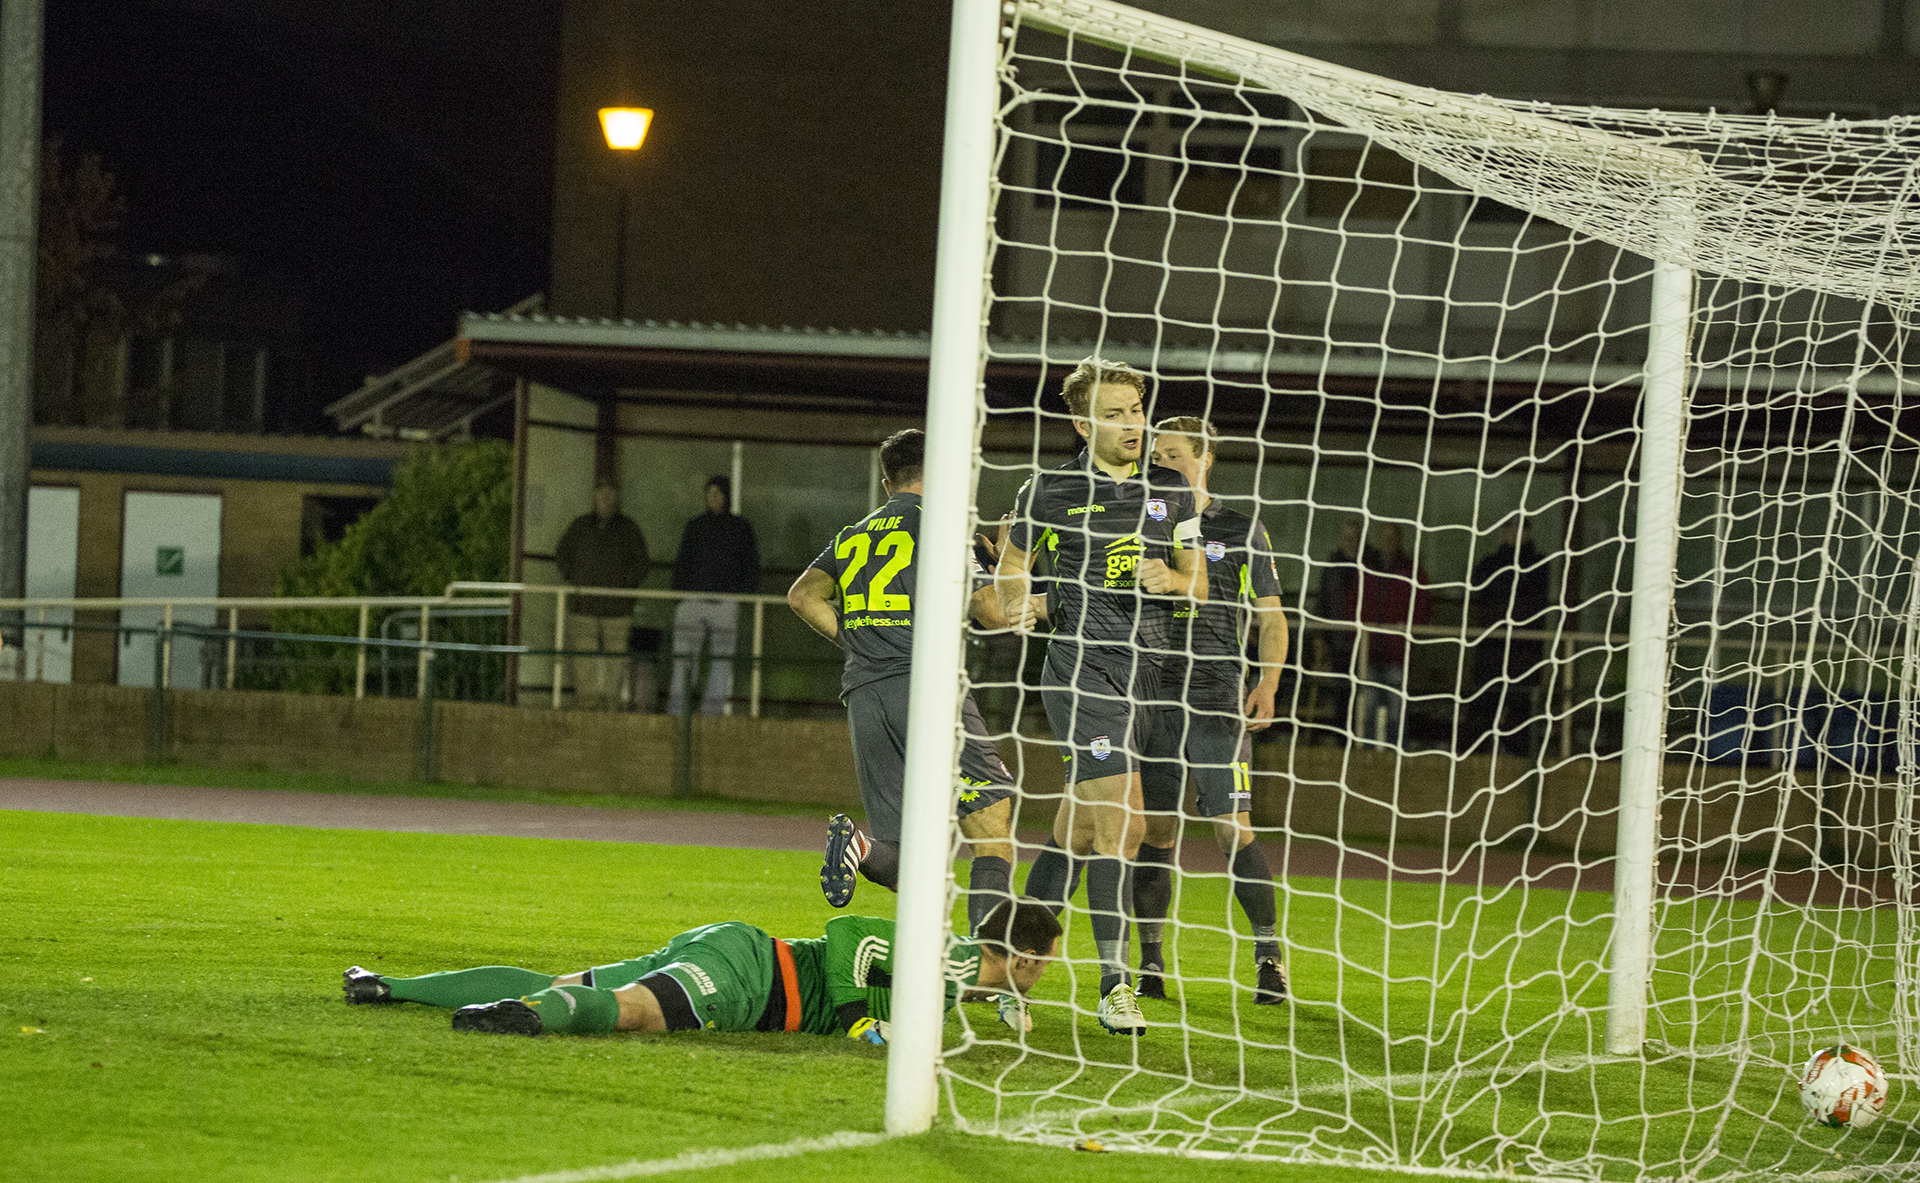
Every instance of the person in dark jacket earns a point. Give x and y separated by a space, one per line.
1391 594
604 548
718 554
1511 590
1333 609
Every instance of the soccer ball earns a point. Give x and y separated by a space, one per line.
1843 1086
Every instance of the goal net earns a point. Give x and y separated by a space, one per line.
1588 466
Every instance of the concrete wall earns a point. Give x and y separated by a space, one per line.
1434 799
791 172
1427 799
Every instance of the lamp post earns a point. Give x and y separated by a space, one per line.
625 129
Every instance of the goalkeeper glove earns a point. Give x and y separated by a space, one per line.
874 1031
1013 1012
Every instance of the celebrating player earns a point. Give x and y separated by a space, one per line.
732 977
1122 541
1210 735
859 594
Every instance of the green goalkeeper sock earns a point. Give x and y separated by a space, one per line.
464 987
576 1010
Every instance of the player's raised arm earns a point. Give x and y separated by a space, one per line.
812 598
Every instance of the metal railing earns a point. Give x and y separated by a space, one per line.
461 599
233 633
1773 661
561 593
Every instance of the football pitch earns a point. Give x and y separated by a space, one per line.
174 1012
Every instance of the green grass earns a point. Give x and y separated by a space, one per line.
181 980
1465 1029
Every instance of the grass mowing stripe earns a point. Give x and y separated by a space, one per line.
183 982
701 1160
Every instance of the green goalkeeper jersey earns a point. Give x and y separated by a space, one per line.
853 962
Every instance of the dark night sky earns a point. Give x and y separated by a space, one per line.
391 161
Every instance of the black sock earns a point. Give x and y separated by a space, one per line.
882 865
1152 892
1105 878
988 882
1253 887
1049 879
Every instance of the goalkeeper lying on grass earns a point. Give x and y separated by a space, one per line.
734 977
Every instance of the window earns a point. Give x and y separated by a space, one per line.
1081 152
325 519
1358 182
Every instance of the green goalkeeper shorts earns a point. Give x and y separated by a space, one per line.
727 972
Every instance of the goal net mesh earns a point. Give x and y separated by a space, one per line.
1422 314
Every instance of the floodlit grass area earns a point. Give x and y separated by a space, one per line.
173 1012
1464 1029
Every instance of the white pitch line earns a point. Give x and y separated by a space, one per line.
701 1160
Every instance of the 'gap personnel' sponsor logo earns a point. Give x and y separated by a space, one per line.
1123 555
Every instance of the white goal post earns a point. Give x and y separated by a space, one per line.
932 757
1586 840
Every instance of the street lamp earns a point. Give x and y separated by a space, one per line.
625 129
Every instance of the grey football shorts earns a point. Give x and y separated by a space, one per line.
877 717
1096 706
1212 746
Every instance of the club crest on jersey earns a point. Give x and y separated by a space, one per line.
1157 509
1216 551
1101 747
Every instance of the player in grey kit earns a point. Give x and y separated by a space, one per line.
1211 734
859 594
1122 543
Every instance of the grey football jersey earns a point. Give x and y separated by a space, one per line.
874 563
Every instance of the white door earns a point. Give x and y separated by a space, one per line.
170 548
53 565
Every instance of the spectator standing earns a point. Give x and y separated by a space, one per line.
1511 590
1390 595
604 548
1334 605
718 553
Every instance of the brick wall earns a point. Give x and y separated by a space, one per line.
1426 799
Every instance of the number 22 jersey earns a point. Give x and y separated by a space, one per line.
873 563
